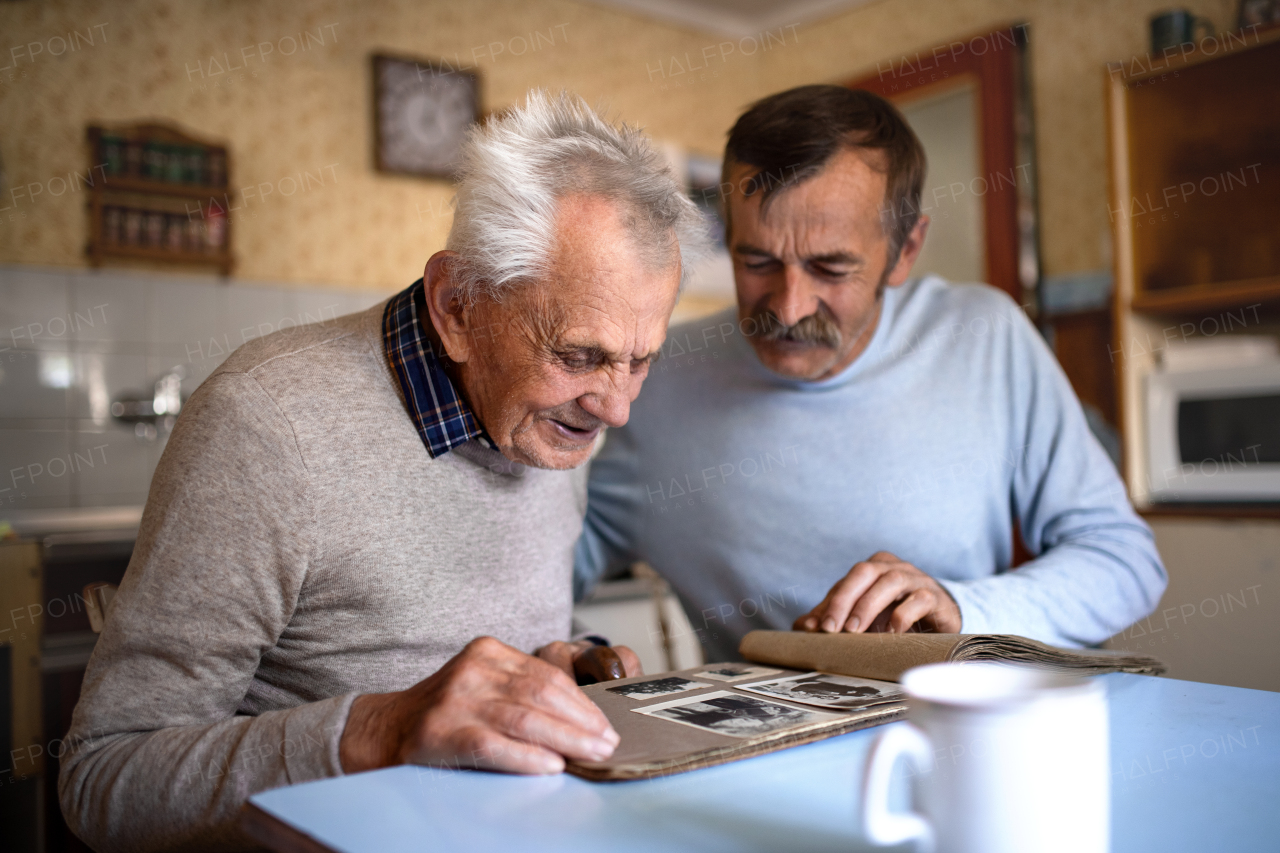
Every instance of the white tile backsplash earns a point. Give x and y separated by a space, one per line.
110 308
36 469
254 312
102 378
113 466
318 306
360 301
186 313
74 341
35 309
29 381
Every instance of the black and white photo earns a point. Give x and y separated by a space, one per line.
828 691
735 672
655 687
733 714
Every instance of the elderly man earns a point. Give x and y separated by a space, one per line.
344 509
846 415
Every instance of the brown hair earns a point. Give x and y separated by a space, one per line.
789 137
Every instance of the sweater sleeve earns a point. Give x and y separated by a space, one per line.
610 531
164 747
1096 569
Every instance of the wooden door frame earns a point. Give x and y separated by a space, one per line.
994 61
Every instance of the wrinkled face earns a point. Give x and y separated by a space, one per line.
809 270
558 360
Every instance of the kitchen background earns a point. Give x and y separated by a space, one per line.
287 88
76 341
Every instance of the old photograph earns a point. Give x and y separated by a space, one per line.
828 691
655 687
732 714
735 672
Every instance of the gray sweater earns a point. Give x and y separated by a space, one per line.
299 547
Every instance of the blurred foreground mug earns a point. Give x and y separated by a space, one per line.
1004 759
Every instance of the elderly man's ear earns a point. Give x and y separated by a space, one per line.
447 309
910 251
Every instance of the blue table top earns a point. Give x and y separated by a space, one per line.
1194 767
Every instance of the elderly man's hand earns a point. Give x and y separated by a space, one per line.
884 594
490 707
563 656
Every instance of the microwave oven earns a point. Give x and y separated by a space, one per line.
1214 435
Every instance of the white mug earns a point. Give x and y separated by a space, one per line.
1005 759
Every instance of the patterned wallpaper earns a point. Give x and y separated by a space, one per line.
1071 43
287 86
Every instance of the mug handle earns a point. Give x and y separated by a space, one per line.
882 826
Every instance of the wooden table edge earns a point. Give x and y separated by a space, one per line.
268 830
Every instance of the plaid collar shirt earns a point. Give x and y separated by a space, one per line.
443 418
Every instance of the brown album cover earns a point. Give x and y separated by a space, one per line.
795 688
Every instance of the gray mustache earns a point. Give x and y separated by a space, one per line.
818 328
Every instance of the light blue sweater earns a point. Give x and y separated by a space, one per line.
752 494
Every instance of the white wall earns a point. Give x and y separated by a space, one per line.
947 125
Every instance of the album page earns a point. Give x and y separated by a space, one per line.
708 715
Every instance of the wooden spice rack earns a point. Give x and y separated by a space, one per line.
157 193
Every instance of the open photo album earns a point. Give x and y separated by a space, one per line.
796 688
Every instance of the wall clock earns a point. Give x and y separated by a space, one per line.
422 111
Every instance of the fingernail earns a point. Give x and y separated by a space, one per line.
810 624
854 624
612 737
829 625
602 749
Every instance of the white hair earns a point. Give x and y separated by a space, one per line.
517 167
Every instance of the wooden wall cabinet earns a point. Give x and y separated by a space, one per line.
158 194
1194 207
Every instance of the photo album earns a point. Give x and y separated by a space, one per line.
796 688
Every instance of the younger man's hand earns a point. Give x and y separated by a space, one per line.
884 594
